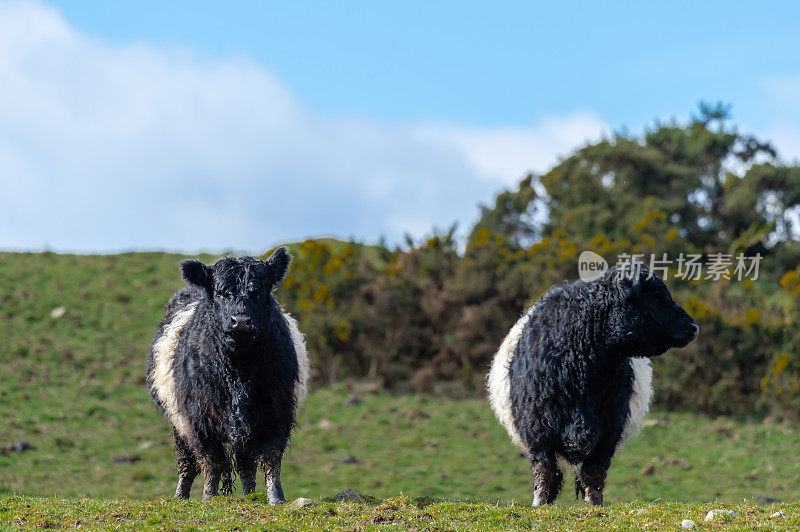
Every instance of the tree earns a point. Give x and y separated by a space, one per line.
715 185
517 215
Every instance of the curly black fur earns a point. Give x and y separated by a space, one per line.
232 390
570 377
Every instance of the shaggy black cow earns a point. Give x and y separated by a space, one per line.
228 368
571 381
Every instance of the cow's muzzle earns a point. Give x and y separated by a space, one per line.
241 323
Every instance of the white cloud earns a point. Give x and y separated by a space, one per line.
116 147
504 154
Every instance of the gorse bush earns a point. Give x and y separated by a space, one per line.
430 315
781 383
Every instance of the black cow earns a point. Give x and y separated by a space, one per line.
571 381
228 368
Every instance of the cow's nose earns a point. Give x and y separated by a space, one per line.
240 323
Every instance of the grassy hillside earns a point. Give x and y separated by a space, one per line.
73 388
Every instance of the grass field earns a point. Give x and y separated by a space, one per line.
73 388
397 513
415 445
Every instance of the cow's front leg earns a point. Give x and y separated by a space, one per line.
272 474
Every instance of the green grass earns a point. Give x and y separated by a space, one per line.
397 513
417 445
429 446
73 388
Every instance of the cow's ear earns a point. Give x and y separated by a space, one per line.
621 279
196 273
278 265
630 273
630 280
641 273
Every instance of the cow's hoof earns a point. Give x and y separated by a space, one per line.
593 497
277 501
539 499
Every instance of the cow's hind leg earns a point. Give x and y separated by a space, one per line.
216 466
271 461
211 475
547 478
188 468
246 468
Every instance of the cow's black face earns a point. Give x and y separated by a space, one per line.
647 319
239 289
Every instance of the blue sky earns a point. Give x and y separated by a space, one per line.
484 63
188 125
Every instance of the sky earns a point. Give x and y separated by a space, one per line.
191 126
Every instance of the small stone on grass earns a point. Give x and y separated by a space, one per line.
725 514
349 495
688 523
352 400
779 513
132 459
19 447
302 502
